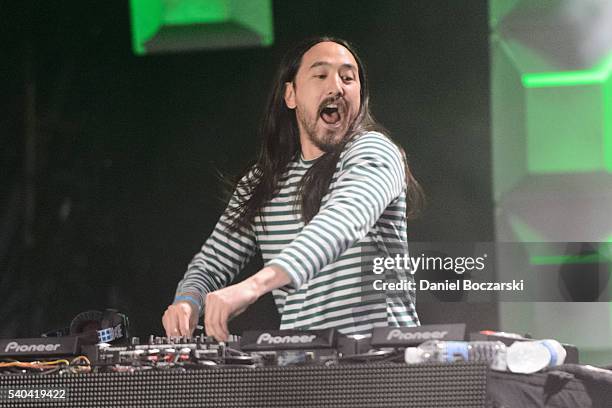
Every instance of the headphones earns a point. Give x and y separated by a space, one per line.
94 326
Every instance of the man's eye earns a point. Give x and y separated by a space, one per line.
321 76
347 78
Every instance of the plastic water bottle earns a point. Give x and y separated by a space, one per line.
527 357
493 352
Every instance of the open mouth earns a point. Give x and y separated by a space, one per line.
331 114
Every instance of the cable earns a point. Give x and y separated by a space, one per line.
42 365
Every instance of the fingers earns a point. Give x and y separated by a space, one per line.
183 324
224 304
177 319
216 316
169 323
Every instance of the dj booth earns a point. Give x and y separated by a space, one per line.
291 368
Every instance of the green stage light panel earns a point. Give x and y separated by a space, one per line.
551 85
546 127
565 129
161 26
548 116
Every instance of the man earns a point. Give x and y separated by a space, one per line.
327 195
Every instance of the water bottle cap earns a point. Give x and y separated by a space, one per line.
556 350
412 355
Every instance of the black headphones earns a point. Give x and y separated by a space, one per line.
94 326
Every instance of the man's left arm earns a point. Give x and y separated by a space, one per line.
371 177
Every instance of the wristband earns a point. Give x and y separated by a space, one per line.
188 299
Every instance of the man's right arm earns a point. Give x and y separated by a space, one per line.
222 256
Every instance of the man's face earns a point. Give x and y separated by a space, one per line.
325 95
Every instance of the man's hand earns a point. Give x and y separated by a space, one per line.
226 303
180 319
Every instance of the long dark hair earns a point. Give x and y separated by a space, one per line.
281 145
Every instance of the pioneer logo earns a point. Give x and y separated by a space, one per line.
13 346
397 334
267 338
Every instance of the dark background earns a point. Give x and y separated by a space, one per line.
129 149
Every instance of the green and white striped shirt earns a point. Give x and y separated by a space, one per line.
329 261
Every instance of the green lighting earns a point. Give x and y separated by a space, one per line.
603 255
147 18
525 232
565 130
567 259
160 26
596 75
552 156
194 12
607 126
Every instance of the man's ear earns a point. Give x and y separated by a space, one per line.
289 95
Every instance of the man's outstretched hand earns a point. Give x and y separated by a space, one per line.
226 303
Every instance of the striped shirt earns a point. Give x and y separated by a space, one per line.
329 260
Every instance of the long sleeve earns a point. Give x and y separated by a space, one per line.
221 257
370 178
